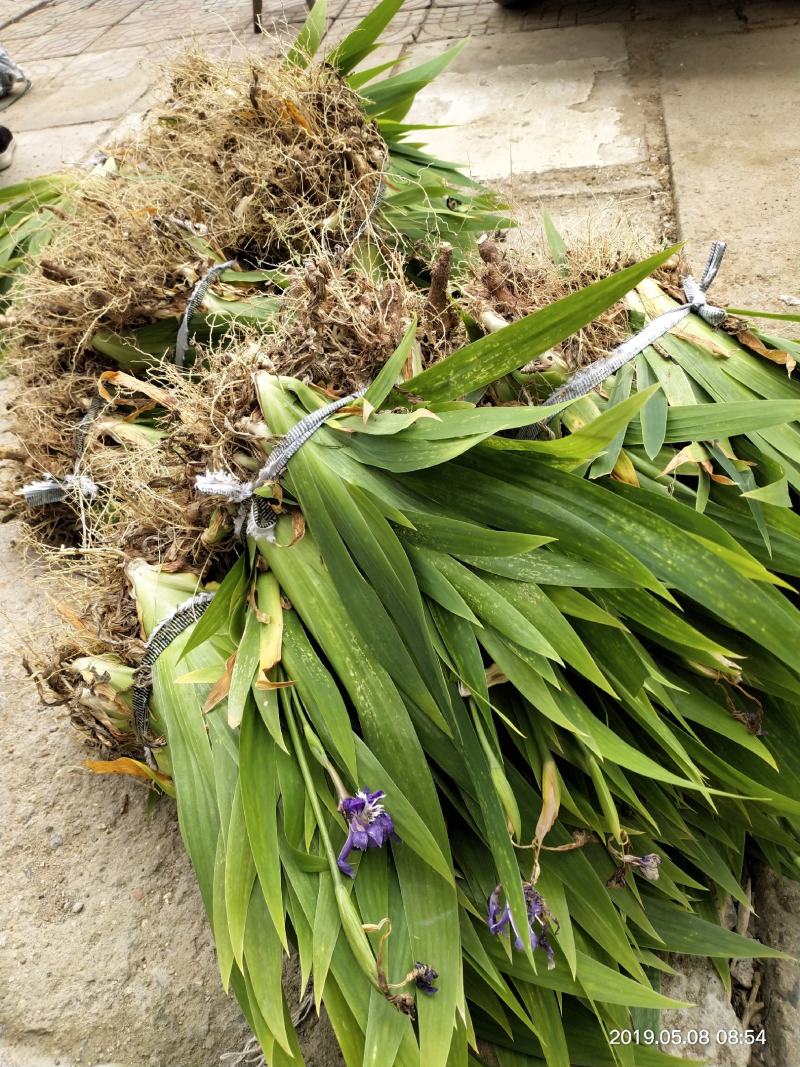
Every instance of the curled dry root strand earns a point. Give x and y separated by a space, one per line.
261 162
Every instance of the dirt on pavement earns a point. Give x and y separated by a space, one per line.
105 953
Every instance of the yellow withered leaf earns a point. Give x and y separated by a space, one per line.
297 115
133 768
774 355
221 687
265 683
624 470
68 615
134 385
692 454
551 800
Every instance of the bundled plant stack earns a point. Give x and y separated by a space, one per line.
475 687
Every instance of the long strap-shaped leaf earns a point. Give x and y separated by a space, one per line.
261 517
589 378
486 360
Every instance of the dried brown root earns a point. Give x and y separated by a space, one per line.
494 279
271 165
338 324
282 158
145 456
513 282
262 162
440 313
112 265
438 296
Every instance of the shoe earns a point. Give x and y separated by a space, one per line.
7 147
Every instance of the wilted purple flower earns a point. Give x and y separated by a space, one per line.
499 917
647 866
421 974
368 825
423 977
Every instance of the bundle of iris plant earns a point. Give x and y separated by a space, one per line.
539 676
474 724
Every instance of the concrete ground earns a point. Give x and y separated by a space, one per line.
680 116
683 113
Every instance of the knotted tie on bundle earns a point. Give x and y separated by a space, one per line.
160 639
593 376
196 295
261 520
53 489
257 512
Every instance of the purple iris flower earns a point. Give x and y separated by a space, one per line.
368 825
539 920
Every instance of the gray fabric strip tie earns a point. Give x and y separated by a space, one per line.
53 490
195 297
261 520
260 515
56 490
201 288
162 636
593 376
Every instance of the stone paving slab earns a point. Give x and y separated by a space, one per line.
41 72
58 42
156 9
102 15
13 9
534 102
296 10
731 114
36 25
102 86
583 203
62 146
29 29
478 19
360 8
237 46
171 25
69 15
